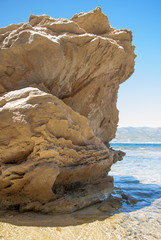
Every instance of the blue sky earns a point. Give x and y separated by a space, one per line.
139 100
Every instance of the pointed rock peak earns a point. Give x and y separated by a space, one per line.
93 22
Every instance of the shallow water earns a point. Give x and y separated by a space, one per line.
142 161
139 175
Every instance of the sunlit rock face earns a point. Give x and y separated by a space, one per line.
50 159
58 82
81 61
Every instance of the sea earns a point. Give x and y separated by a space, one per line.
138 176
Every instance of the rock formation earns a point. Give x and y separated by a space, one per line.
56 76
49 153
81 61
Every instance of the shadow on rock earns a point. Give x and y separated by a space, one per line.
128 195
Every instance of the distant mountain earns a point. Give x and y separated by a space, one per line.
138 134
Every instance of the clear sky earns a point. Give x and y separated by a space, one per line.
139 100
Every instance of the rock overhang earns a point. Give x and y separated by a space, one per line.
81 62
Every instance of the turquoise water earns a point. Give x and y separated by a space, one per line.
139 173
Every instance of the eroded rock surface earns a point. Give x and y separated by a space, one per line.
58 90
81 61
50 159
